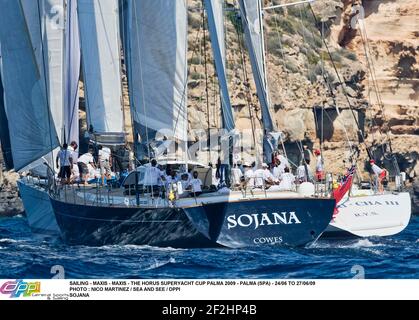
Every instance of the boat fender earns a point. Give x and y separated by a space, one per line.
306 189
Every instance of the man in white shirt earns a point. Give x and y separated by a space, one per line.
236 175
105 163
196 185
249 176
153 175
380 175
288 181
278 171
64 162
260 177
302 172
84 162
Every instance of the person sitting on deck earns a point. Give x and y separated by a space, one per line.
288 181
278 170
196 185
249 177
236 175
65 164
380 175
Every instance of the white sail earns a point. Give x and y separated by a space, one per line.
72 73
251 12
157 63
99 33
32 131
215 11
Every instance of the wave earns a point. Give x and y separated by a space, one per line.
159 264
9 241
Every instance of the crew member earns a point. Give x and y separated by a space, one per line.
319 166
380 175
105 162
153 176
236 175
64 162
83 163
288 181
196 185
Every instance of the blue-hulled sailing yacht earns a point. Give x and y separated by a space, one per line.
156 57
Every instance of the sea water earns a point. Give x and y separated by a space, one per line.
23 255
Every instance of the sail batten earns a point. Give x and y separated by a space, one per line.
32 131
251 12
157 63
99 33
215 11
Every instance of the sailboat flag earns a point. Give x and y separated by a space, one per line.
344 187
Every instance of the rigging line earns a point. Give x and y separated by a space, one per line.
142 84
246 81
41 25
328 87
371 67
206 81
281 48
360 132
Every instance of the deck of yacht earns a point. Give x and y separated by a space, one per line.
103 196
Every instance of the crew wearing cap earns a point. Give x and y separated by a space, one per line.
319 165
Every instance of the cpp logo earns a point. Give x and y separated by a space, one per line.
20 288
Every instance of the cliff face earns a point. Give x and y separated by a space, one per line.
392 36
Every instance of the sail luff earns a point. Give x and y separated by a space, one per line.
215 12
72 73
99 24
253 27
32 130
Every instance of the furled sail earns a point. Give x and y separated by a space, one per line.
99 33
215 11
251 13
157 65
31 126
72 73
4 129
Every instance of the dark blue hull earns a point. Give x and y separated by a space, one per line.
294 222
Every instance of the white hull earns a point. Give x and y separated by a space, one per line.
367 215
38 208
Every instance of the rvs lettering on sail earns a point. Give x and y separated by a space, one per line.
264 219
